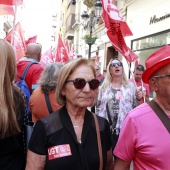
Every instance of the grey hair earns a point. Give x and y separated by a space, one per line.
49 76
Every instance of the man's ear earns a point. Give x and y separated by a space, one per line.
39 57
153 84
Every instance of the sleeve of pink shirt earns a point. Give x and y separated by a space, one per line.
125 148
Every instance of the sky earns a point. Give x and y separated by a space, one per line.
37 19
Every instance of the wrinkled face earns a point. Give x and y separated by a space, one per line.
116 68
84 97
138 75
160 83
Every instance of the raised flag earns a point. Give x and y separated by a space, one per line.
96 61
117 29
73 54
61 52
6 10
137 61
67 47
31 40
19 45
47 58
11 2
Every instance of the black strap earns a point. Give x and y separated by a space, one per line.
108 114
50 110
161 114
25 71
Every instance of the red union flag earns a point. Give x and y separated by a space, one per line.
73 54
6 10
96 62
117 29
19 41
11 2
67 47
31 40
61 52
47 58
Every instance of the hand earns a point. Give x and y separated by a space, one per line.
139 94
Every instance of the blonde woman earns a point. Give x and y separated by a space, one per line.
12 109
116 97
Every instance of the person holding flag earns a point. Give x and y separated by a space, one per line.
142 88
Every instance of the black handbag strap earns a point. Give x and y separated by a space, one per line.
160 113
47 99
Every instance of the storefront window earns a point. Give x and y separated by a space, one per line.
155 40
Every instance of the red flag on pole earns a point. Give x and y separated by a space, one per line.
11 2
73 54
6 10
31 40
19 41
117 29
96 62
47 58
67 47
61 52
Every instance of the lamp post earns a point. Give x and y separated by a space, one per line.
89 21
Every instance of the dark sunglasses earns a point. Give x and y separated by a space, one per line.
116 64
79 83
140 68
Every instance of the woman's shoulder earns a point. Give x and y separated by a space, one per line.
131 85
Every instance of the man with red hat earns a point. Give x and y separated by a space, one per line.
145 135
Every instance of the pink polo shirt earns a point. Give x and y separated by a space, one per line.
145 140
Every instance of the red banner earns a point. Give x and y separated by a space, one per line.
46 58
73 54
96 62
6 10
67 47
61 52
31 40
117 29
19 45
11 2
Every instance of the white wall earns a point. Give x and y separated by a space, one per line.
140 12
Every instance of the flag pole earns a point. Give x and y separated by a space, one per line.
13 30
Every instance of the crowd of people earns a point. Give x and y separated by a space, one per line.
122 127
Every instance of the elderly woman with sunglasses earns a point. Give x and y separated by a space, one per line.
67 138
116 97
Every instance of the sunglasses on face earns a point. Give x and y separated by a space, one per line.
116 64
163 76
79 83
140 68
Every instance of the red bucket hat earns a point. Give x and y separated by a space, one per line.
155 61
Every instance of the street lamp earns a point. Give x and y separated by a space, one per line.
89 21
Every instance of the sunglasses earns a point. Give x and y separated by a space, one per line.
162 76
140 68
116 64
79 83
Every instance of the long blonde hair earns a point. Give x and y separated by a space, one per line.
108 77
8 120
